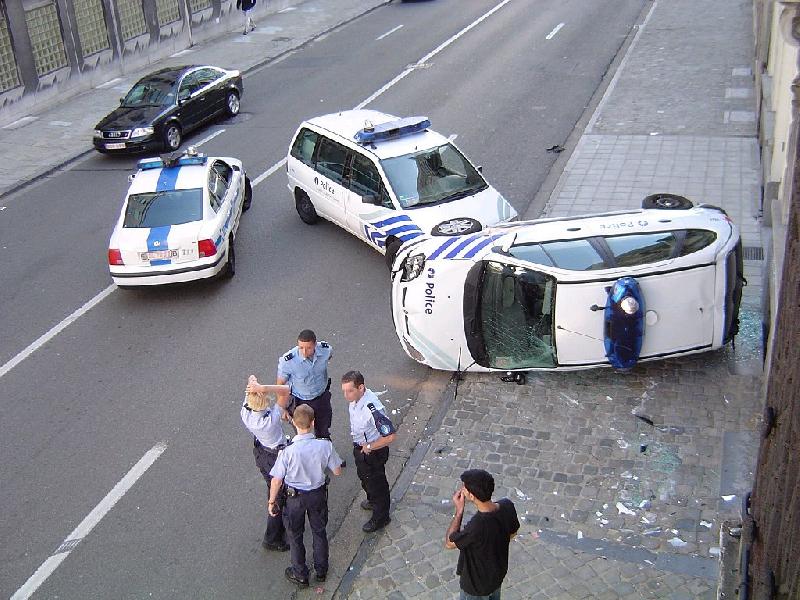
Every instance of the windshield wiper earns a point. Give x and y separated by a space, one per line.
462 194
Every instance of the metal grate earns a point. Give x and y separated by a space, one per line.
91 26
167 11
45 34
131 18
199 5
753 253
9 76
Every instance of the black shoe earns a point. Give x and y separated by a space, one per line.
320 577
373 525
366 505
275 547
289 572
344 464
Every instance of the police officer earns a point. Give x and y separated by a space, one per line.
301 469
264 422
305 369
370 447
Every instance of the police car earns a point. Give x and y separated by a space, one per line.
179 220
388 180
610 289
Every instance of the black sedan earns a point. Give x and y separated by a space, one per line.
162 107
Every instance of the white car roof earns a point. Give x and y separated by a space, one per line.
187 177
349 122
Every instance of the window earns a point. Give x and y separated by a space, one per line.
131 18
188 86
44 30
331 160
642 249
206 76
223 170
303 148
576 255
91 23
695 240
217 188
158 209
197 6
167 11
9 76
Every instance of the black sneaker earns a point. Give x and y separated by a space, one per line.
289 572
366 505
275 547
373 525
320 577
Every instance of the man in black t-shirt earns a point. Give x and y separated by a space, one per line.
484 541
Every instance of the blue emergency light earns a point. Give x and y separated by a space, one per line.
392 129
171 161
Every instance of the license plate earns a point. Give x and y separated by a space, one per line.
115 146
159 255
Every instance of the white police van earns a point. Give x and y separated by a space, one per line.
388 180
610 289
179 220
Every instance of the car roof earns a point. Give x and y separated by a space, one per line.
176 71
349 122
182 177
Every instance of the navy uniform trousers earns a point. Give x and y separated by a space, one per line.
323 413
372 473
313 503
275 535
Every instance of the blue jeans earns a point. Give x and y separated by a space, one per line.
495 595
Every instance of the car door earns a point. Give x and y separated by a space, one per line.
211 90
228 190
191 106
367 201
330 182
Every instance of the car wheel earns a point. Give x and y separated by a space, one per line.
667 201
461 226
230 266
172 137
392 248
305 208
248 194
232 104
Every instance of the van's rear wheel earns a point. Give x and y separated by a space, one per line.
305 208
667 201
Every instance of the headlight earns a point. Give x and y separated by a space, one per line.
412 267
98 133
142 132
629 305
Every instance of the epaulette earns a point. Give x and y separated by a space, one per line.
288 356
325 344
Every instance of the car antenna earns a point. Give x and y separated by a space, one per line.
591 337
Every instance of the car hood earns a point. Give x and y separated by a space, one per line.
488 207
128 117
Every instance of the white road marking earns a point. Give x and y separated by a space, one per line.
20 122
108 84
452 137
268 172
553 33
208 138
182 52
85 527
55 330
288 9
61 123
388 33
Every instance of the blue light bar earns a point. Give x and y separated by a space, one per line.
167 161
392 129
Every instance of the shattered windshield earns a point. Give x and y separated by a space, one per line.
516 317
432 176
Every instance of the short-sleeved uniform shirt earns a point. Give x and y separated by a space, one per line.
483 542
302 464
308 377
265 425
362 424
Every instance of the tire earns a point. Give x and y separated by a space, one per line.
459 226
172 137
248 194
230 267
305 208
667 202
232 104
392 248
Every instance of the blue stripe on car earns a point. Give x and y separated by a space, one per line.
401 229
391 220
461 246
443 247
409 236
157 240
167 179
478 247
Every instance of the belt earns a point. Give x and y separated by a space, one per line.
276 449
292 492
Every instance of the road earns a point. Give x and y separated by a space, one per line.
167 366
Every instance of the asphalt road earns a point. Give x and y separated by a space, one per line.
168 365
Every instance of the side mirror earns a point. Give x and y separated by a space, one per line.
121 100
183 97
479 168
371 199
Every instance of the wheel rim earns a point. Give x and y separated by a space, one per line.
173 137
455 226
666 202
306 207
233 104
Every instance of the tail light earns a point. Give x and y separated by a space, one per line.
206 248
115 257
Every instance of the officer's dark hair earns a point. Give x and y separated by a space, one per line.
303 416
354 377
479 483
307 336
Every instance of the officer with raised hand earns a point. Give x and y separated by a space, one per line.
264 422
300 468
305 369
372 432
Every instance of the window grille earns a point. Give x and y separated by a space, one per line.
44 30
91 26
9 76
167 11
199 5
131 18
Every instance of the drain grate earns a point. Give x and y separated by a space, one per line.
753 253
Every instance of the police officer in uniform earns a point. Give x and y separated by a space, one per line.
305 369
370 447
264 422
300 468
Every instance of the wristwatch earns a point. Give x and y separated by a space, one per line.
369 446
